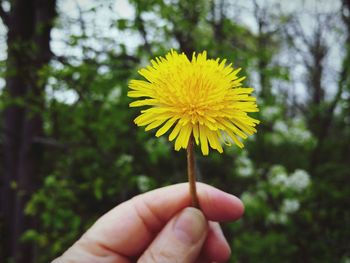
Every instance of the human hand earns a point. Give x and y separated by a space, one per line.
159 226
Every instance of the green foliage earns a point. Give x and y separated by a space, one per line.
260 247
55 205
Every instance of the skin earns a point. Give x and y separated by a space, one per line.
159 226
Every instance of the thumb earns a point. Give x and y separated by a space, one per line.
181 240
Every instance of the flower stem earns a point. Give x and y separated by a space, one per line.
191 171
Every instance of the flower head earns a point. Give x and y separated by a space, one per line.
203 98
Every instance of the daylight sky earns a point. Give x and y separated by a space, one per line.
241 11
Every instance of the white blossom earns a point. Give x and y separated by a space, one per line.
245 171
270 112
277 218
299 180
279 179
143 183
280 126
244 165
293 131
124 159
278 175
290 206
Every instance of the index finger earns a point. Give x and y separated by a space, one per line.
130 227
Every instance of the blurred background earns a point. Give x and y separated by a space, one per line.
70 150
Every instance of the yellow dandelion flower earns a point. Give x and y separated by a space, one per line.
203 98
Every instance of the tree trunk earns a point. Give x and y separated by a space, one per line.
29 26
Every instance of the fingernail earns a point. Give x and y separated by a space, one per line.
190 226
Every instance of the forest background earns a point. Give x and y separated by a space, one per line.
69 149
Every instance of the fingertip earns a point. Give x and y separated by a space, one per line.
218 205
236 206
239 208
216 247
181 240
190 226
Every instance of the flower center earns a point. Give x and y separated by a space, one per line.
194 112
